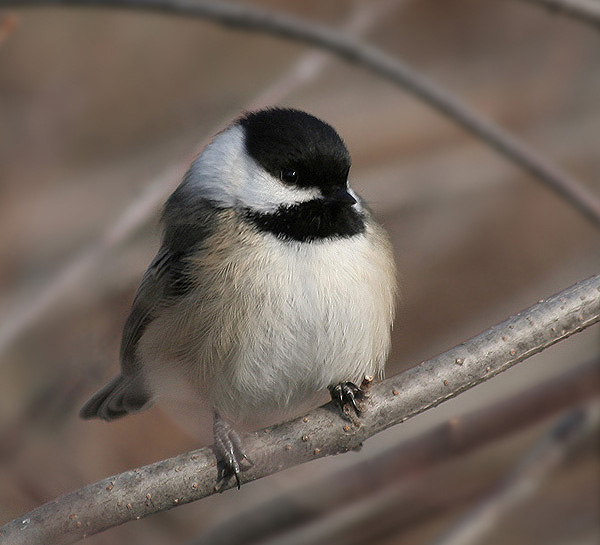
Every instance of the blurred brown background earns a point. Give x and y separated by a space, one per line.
96 103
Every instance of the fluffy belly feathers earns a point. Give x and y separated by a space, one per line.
290 322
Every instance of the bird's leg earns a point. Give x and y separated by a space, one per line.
229 448
346 393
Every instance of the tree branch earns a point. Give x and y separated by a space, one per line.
394 509
586 11
252 18
296 512
188 477
35 305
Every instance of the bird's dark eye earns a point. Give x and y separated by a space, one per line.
289 176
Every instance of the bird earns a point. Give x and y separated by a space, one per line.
273 281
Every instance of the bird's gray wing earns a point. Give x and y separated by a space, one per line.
151 295
167 279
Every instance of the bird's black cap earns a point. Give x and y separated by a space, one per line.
297 147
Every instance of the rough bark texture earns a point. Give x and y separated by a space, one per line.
287 514
322 432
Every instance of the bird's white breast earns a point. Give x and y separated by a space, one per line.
273 321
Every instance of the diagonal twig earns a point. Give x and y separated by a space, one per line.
252 18
322 432
525 478
34 306
297 512
586 11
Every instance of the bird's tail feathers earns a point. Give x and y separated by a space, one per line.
123 395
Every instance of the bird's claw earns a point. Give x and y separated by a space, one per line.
346 393
229 450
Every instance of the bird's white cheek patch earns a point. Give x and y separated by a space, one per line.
262 191
227 175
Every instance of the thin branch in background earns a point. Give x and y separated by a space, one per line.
33 307
586 11
252 18
291 516
360 522
311 65
525 479
322 432
394 508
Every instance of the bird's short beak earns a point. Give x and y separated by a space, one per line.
342 196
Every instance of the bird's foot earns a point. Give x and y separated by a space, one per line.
229 450
346 393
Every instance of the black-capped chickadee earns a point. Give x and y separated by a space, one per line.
273 282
